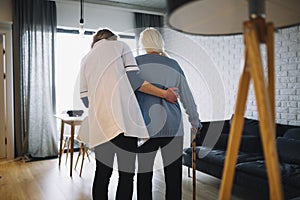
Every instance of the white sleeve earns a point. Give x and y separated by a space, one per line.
83 82
128 59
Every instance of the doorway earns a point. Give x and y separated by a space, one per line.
3 141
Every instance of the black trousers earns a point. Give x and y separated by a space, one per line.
125 150
171 151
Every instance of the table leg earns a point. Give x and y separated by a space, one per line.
60 141
72 148
194 164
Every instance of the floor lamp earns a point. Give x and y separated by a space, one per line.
225 17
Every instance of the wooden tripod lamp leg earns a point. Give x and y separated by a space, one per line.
265 112
271 74
235 135
271 67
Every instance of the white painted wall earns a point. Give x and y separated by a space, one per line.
6 11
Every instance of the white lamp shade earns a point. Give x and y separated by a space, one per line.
225 17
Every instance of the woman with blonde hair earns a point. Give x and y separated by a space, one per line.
163 120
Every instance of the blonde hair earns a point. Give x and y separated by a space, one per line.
104 34
152 41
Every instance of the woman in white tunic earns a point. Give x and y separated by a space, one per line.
108 79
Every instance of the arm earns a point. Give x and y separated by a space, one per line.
83 87
188 102
143 86
85 101
170 95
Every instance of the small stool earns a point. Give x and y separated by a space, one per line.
83 150
83 140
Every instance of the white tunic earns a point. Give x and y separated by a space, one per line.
113 108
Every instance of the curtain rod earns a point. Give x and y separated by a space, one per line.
120 6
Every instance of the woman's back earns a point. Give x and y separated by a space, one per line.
163 119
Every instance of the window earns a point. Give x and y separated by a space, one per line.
70 49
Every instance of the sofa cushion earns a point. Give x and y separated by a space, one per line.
288 150
217 157
293 133
290 173
222 142
251 127
251 144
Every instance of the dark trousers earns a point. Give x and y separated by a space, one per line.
124 148
171 151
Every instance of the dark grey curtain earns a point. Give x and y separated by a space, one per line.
34 26
143 21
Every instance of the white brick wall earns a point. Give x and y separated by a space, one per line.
213 64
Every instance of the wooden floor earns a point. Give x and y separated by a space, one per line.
44 180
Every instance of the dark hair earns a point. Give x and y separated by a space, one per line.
103 34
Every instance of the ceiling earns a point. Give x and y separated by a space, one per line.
151 6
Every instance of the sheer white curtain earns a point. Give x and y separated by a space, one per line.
34 34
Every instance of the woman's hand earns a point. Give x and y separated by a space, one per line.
171 95
194 130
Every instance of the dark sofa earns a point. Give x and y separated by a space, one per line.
250 171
